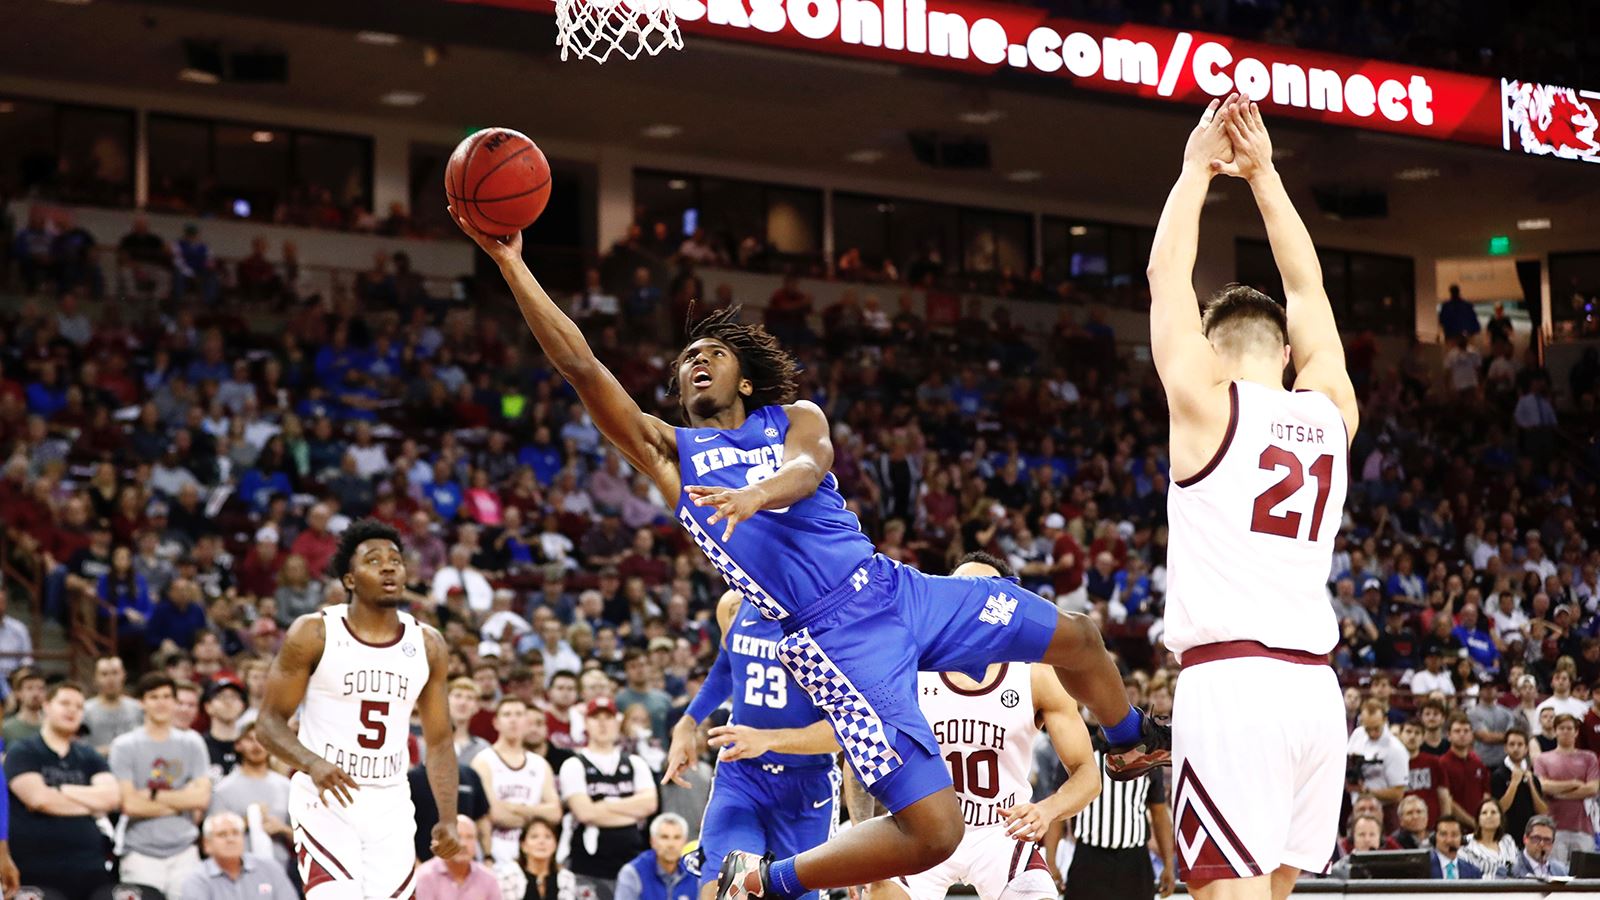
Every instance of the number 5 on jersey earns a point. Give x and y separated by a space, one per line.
374 728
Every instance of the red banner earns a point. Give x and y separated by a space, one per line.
1179 66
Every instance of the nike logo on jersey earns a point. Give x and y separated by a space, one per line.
748 622
701 439
821 803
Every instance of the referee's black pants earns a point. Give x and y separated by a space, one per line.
1110 874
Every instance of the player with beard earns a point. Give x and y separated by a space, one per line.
360 669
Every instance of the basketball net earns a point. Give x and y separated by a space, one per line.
598 28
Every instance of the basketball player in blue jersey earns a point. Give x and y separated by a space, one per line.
750 474
779 803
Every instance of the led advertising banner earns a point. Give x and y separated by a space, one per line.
1188 67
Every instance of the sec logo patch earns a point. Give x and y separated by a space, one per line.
1010 699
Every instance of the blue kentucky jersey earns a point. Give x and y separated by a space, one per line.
780 559
765 695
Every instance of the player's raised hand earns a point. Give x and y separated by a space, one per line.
502 250
733 506
735 742
330 779
446 843
680 753
1208 142
1252 146
1026 821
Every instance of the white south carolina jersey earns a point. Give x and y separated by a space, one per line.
1251 535
986 738
357 712
523 784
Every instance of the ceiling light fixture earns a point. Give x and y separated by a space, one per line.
1533 224
378 38
6 106
661 131
199 76
865 156
677 184
401 98
1417 173
1023 176
1078 230
982 116
261 137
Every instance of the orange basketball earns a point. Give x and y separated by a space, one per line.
498 181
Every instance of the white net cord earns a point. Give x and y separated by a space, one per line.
598 28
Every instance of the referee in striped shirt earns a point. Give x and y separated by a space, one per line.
1112 859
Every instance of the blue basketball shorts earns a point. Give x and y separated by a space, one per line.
766 809
857 651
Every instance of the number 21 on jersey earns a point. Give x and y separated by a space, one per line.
1287 524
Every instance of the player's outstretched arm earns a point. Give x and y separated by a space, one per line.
807 457
444 771
718 686
1070 737
1184 358
735 742
649 443
1313 334
286 688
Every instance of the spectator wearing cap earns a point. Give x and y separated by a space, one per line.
59 786
230 872
1397 645
225 702
1537 859
1433 678
27 685
461 877
460 573
258 796
163 772
258 573
610 795
1569 776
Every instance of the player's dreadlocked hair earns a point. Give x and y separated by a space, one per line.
771 370
354 536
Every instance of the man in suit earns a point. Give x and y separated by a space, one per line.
1444 861
1538 839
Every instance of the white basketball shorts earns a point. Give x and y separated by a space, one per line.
365 851
1258 766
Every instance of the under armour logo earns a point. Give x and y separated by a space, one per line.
859 579
997 610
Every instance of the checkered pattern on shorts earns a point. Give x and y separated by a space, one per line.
854 720
731 571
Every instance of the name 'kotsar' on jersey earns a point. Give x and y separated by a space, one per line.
359 700
779 559
1251 534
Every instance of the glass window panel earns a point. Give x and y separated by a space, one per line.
27 145
730 211
924 237
996 242
861 222
252 177
339 164
794 221
666 199
180 162
96 156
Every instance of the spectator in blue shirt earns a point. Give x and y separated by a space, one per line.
336 358
444 492
178 617
1480 646
125 590
194 265
46 396
1457 317
1133 586
543 456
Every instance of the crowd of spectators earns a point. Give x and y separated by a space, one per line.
174 484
